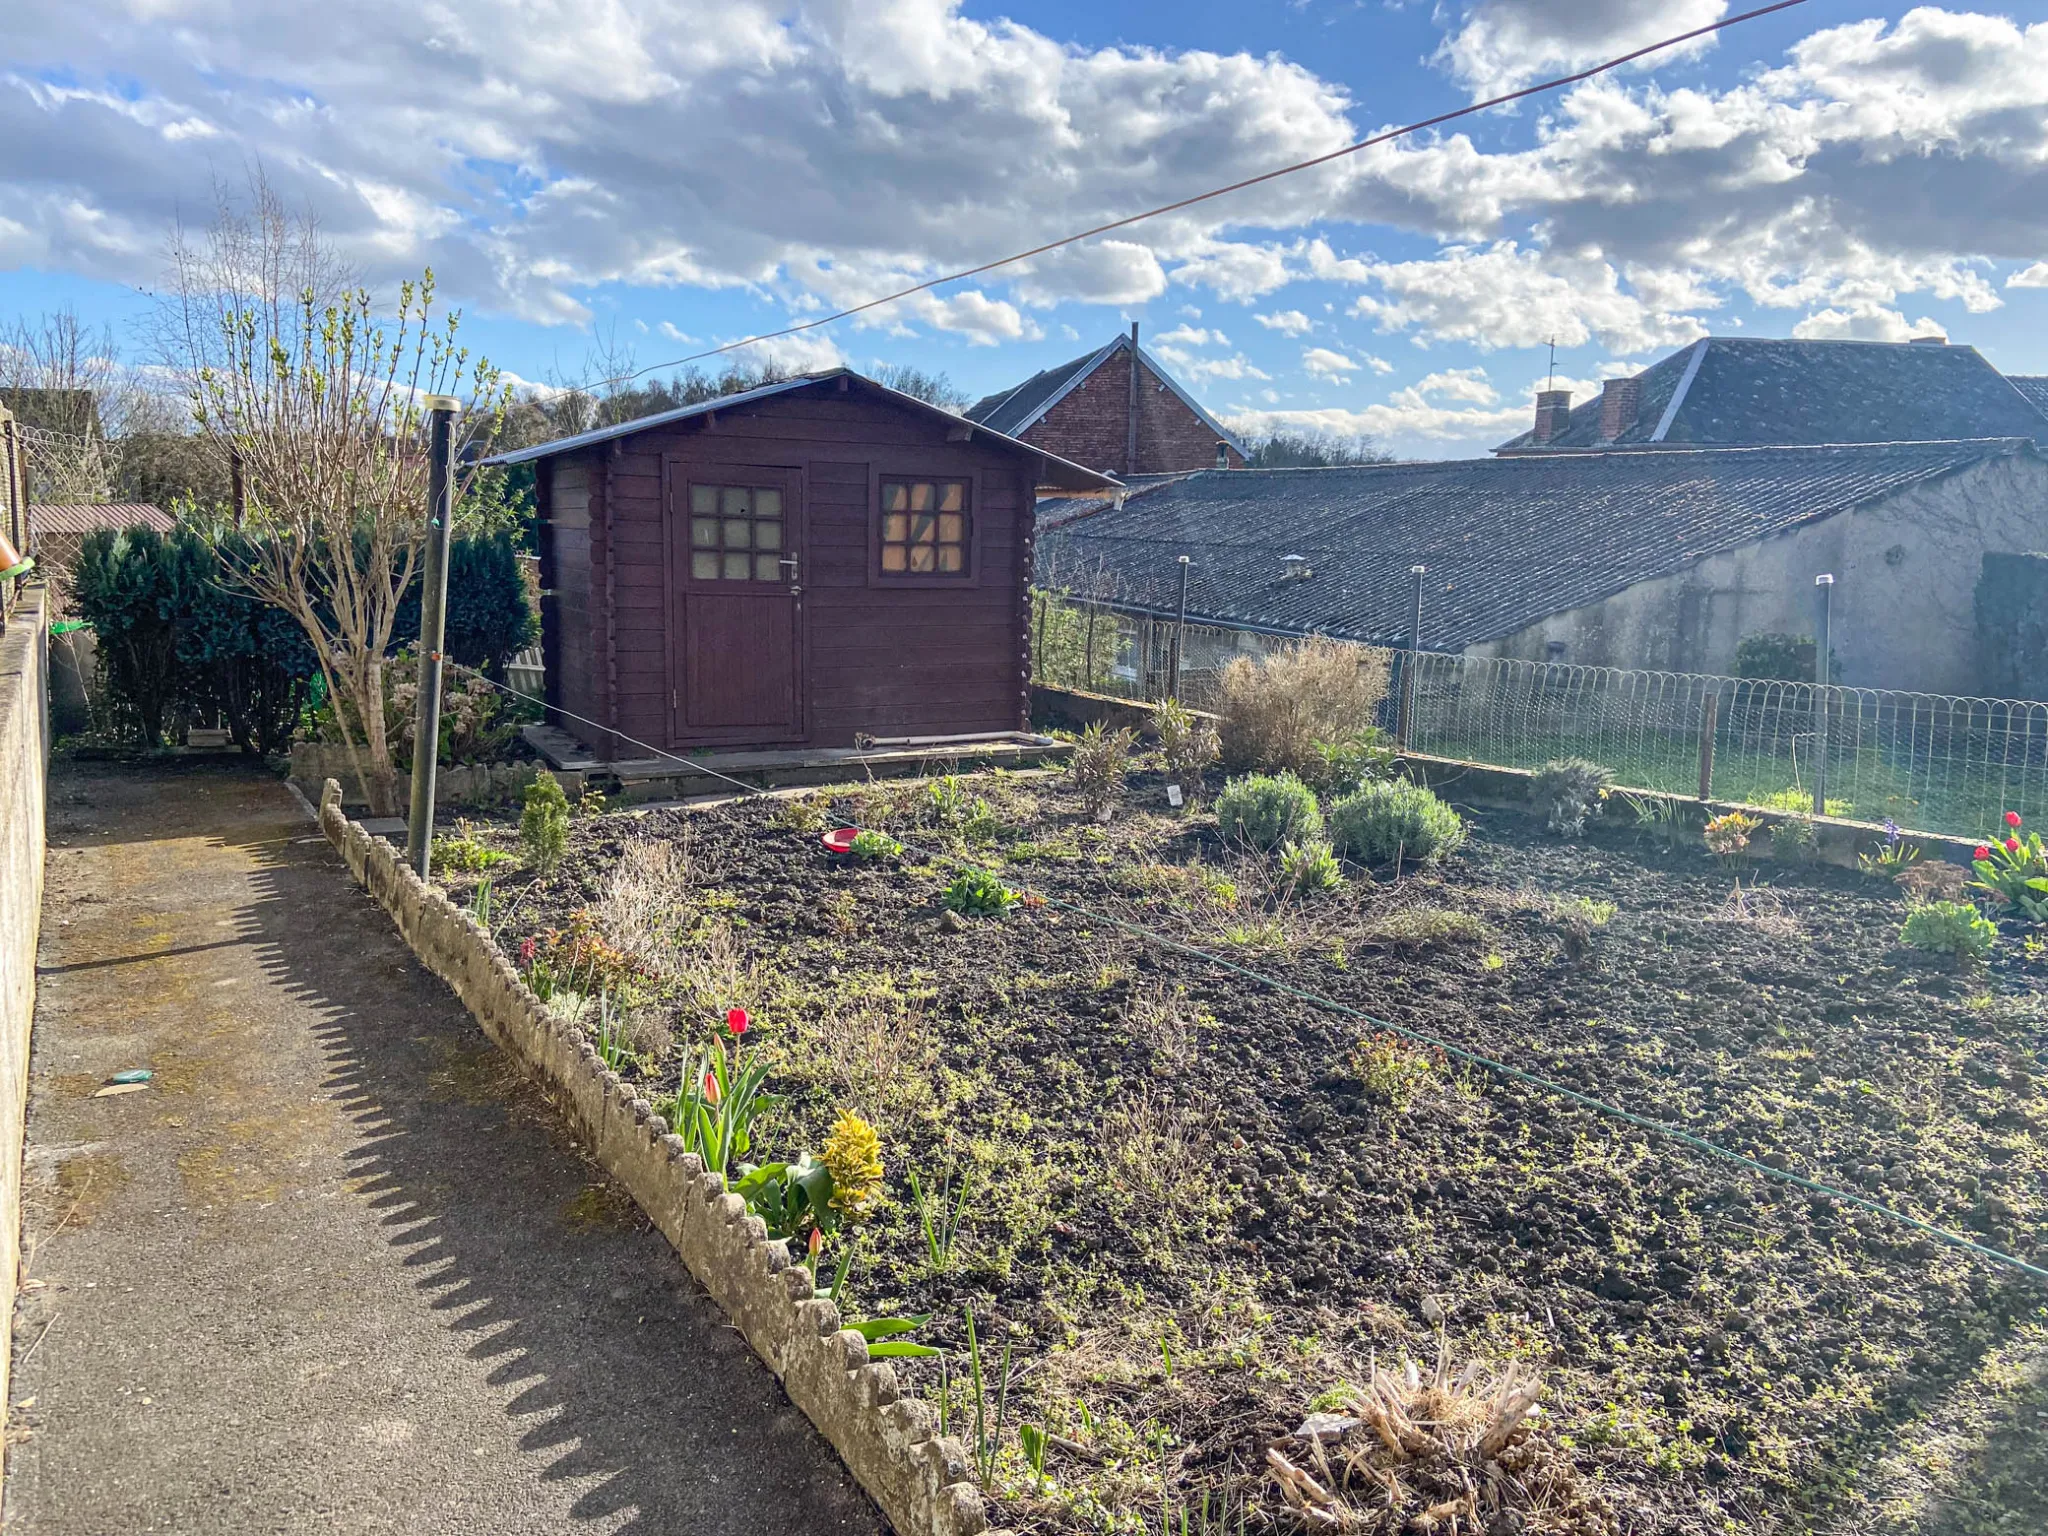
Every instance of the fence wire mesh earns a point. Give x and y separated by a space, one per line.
1930 762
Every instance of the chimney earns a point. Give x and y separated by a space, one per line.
1618 402
1936 340
1553 411
1295 568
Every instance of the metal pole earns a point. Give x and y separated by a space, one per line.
1710 711
1180 633
1088 653
1824 587
426 738
1407 704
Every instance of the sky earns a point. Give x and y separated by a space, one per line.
593 179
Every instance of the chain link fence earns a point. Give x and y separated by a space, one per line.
1930 762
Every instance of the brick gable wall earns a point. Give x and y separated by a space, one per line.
1090 425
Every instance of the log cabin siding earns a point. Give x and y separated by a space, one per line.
879 657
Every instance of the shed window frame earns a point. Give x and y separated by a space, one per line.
970 574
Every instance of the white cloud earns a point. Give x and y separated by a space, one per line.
1288 322
818 152
1503 296
1468 384
1235 367
1325 363
1503 44
1191 336
1864 322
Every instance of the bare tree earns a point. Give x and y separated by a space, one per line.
298 371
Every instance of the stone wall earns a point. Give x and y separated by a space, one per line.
457 788
889 1442
24 764
1905 567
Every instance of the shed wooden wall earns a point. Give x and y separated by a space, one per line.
880 660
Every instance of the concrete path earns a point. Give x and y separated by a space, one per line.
339 1268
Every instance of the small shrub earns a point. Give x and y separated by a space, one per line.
1097 769
544 823
1342 766
1953 928
582 959
1726 836
1392 1067
979 893
1572 789
1796 837
870 844
1308 867
1394 821
1186 743
591 802
464 854
1275 710
1577 919
1268 811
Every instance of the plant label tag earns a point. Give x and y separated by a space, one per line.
1173 796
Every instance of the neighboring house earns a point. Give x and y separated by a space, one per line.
58 528
806 563
1650 558
1751 391
2034 387
1096 411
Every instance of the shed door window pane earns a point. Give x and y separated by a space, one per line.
925 527
736 533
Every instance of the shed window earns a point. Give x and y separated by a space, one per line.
736 533
925 527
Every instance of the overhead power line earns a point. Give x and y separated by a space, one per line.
1202 197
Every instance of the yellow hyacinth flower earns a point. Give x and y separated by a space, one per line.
853 1156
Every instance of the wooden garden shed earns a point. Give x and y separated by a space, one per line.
814 563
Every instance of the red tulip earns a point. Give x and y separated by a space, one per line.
737 1021
710 1088
1981 853
2012 818
817 1242
2012 845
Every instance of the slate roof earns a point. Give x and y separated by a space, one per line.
82 517
2033 386
1017 410
1753 390
1506 541
1054 470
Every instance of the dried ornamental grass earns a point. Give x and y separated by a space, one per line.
1276 709
1436 1454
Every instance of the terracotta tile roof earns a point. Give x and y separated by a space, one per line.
1752 391
85 516
1506 541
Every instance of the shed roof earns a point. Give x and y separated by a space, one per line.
1506 542
1754 390
1055 470
85 516
1017 410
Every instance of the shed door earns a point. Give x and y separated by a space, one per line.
735 544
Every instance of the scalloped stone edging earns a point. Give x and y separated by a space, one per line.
888 1441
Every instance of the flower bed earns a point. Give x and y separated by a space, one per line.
1191 1212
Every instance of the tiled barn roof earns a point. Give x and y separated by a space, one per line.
1753 391
1506 541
